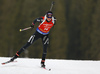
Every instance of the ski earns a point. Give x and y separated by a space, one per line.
46 68
7 62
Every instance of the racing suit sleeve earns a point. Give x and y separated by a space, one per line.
55 21
37 20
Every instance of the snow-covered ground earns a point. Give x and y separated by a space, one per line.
32 66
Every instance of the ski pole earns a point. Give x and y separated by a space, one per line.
24 29
52 5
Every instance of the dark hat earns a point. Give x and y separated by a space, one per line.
49 14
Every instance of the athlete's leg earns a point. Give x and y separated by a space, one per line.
33 38
45 41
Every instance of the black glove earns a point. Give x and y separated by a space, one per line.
32 25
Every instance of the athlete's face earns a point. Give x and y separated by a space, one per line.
49 19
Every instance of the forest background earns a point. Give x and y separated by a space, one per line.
76 34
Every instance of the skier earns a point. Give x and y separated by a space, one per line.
46 23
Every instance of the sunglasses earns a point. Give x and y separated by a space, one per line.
49 16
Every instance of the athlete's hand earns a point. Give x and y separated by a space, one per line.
32 25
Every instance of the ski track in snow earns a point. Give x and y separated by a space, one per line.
32 66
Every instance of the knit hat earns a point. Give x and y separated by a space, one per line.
49 14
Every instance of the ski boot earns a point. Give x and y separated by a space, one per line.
42 64
14 57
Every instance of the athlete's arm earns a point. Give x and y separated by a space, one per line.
55 21
36 20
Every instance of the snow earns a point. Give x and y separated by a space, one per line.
57 66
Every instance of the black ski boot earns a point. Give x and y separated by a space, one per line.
42 63
14 57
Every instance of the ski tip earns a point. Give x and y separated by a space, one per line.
3 63
49 69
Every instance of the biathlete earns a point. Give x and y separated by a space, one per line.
46 23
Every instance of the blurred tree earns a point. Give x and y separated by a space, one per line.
94 51
74 28
58 35
75 35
